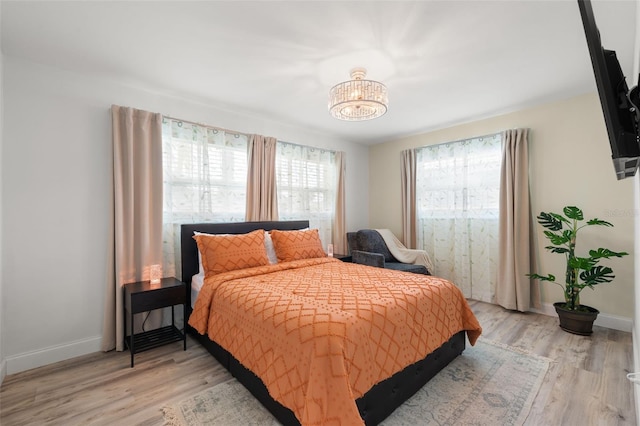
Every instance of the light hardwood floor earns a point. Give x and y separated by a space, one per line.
586 383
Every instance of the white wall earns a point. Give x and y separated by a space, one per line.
570 164
636 320
3 364
57 170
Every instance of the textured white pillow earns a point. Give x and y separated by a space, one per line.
200 268
271 251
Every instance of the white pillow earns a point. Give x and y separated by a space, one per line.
200 267
271 251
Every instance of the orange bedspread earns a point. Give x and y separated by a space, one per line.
320 333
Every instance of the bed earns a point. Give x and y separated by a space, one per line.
373 385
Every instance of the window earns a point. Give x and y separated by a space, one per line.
457 198
204 180
306 180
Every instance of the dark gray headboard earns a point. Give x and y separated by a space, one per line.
189 255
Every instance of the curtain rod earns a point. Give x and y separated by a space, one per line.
235 132
238 133
307 146
458 140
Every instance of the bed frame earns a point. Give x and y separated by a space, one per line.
375 405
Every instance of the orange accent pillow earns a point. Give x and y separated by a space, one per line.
222 253
295 245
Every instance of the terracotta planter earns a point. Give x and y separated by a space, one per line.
576 322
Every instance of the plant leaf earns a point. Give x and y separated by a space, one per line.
555 249
551 221
573 212
584 263
597 275
606 253
557 239
559 217
542 277
597 221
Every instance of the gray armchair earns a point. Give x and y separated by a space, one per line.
368 248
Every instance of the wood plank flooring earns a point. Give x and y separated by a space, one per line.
586 383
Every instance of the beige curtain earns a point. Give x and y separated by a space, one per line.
514 289
262 199
408 189
137 219
339 224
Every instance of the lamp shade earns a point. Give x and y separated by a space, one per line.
358 99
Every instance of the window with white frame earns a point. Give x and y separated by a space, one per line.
306 180
457 199
204 179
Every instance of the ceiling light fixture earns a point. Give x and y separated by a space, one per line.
358 99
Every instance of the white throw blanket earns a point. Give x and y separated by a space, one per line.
403 254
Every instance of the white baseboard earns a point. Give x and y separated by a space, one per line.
636 365
38 358
604 320
3 370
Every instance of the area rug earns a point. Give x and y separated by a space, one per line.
489 384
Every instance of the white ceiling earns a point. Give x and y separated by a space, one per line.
444 62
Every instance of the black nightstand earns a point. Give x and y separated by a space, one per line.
144 296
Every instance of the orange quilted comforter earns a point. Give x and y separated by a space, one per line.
320 333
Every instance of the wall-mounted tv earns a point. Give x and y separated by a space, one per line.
621 115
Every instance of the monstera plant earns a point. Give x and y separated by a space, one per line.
581 271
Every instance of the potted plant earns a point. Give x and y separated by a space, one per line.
581 272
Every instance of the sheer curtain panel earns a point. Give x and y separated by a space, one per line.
307 183
457 200
137 218
204 180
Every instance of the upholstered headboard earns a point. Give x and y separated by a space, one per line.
189 255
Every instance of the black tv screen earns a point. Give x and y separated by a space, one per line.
620 114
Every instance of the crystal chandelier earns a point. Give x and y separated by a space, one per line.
358 99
